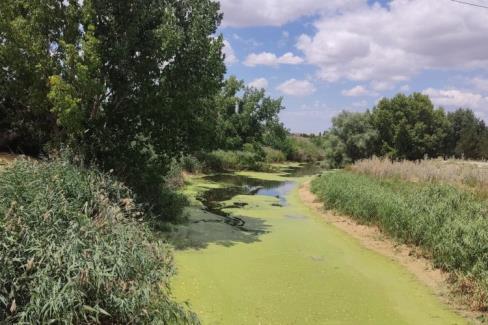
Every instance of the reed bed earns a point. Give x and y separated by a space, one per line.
457 172
74 249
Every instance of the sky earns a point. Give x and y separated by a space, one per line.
326 56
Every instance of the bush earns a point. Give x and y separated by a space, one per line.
274 156
191 164
305 150
221 160
73 249
174 178
450 225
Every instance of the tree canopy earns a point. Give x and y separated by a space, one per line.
405 127
128 84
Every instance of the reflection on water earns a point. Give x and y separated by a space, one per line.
304 170
215 225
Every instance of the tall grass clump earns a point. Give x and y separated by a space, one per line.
450 225
74 249
469 173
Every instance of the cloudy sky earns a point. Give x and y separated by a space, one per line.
324 56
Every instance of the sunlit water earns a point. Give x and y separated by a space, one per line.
253 254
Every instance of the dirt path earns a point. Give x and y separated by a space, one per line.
372 238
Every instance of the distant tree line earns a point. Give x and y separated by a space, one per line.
405 127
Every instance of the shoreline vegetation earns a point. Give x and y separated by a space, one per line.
424 205
372 238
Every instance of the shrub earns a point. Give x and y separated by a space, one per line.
73 249
304 150
274 156
449 224
174 178
191 164
221 160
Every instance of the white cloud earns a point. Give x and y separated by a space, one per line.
244 13
480 84
267 58
405 88
454 98
230 55
295 87
260 83
382 85
358 91
390 45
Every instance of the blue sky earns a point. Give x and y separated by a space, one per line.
326 56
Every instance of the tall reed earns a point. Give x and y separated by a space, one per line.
470 173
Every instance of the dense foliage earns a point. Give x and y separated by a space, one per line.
450 225
246 115
128 84
405 127
73 249
352 137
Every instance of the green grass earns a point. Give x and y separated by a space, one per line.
74 249
450 225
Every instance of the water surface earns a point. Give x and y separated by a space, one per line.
254 254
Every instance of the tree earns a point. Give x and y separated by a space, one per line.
246 116
357 134
351 137
129 84
468 136
409 127
28 30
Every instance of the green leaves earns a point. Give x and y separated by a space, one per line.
89 260
65 105
129 83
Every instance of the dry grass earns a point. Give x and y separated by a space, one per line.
457 172
6 158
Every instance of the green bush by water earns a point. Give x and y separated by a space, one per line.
450 225
305 150
221 160
74 249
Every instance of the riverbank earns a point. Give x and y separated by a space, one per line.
270 259
372 238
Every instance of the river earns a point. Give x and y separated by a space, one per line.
253 253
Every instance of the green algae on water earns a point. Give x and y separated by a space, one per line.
297 270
